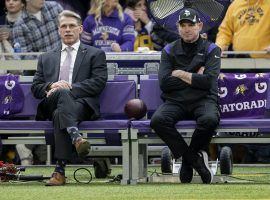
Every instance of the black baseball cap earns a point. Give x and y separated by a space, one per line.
189 14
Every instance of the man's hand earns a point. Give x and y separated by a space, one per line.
58 85
204 36
178 73
115 47
4 36
267 49
186 76
49 93
141 15
201 70
183 75
62 84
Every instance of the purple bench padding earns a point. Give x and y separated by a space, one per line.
225 123
47 125
112 102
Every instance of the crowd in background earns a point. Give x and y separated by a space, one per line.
116 26
111 25
125 25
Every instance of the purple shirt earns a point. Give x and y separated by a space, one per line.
111 29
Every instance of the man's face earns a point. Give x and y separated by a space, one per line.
189 31
69 30
37 4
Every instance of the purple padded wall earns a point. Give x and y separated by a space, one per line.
150 93
115 96
112 100
30 102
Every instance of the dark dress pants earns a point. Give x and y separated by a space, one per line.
65 111
206 114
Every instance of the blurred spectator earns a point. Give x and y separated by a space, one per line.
79 6
2 6
122 2
137 10
161 37
212 33
13 11
108 28
36 29
246 26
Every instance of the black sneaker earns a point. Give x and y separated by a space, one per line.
186 172
201 166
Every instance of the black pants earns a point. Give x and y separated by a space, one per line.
206 114
65 111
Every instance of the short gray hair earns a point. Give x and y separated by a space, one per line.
69 13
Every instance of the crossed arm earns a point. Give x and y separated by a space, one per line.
186 76
172 79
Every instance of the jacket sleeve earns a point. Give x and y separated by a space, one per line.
39 85
128 34
88 25
96 82
168 82
212 69
226 30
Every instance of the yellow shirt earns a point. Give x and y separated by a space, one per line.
246 25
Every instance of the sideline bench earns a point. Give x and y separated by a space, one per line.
142 134
112 120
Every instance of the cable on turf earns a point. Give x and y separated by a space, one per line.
82 175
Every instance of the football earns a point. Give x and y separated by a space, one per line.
135 109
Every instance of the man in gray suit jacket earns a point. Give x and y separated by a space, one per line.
69 81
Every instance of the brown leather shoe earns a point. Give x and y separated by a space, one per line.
82 147
57 179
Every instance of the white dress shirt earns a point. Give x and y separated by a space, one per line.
73 55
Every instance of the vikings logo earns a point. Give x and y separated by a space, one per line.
221 76
241 89
261 87
259 75
7 99
240 76
104 36
10 84
187 13
222 92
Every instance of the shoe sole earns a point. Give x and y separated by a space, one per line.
205 159
51 184
84 149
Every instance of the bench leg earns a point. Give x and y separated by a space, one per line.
134 157
125 157
143 161
49 155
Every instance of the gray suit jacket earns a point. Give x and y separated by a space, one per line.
88 79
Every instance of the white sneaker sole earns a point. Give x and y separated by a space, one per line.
205 159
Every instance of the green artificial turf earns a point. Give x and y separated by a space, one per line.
102 189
